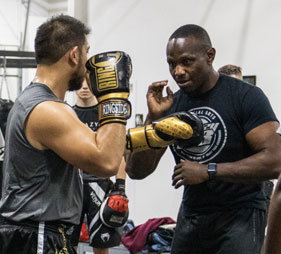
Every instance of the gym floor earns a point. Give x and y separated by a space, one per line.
84 248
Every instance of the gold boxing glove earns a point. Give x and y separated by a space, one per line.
183 126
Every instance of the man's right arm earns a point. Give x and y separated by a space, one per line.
141 164
55 126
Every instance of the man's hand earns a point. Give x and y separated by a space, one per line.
189 172
114 210
156 102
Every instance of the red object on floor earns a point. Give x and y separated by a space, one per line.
84 235
135 239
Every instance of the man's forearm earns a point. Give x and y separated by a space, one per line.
141 164
262 166
121 174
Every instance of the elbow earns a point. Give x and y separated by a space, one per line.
109 171
135 175
109 168
104 168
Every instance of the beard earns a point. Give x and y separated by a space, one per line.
75 83
76 80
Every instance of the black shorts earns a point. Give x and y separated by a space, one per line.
232 232
35 238
100 235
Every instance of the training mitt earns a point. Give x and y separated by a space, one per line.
108 76
185 128
197 127
114 210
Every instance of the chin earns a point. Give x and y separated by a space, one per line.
75 83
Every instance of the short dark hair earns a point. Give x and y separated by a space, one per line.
230 69
56 36
191 30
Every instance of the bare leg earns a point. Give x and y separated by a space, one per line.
101 251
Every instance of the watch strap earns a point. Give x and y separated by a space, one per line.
212 171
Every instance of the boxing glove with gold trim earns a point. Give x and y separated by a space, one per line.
181 127
108 76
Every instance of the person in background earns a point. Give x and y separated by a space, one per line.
96 189
5 107
231 70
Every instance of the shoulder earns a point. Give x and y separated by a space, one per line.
238 89
54 107
51 115
48 121
235 84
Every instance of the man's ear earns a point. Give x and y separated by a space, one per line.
74 55
211 53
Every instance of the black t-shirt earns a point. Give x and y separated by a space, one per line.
89 116
229 111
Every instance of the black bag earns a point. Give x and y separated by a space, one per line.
160 240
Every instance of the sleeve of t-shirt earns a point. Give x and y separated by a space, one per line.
256 109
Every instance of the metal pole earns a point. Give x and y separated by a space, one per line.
22 46
26 24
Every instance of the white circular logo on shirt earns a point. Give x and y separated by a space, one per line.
215 135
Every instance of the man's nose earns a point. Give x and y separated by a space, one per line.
179 70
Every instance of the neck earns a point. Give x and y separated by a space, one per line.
54 77
86 102
213 78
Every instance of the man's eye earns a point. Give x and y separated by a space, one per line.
186 61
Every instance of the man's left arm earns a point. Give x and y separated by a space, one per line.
265 164
260 125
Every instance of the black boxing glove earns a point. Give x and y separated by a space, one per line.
185 128
114 211
197 127
108 76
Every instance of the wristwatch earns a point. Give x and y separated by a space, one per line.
212 171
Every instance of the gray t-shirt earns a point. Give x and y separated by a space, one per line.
38 185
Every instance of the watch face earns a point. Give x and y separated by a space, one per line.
212 166
212 171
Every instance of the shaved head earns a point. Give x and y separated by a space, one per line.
195 31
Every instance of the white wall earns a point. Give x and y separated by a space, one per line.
11 25
244 32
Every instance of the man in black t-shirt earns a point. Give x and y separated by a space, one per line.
95 189
224 205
